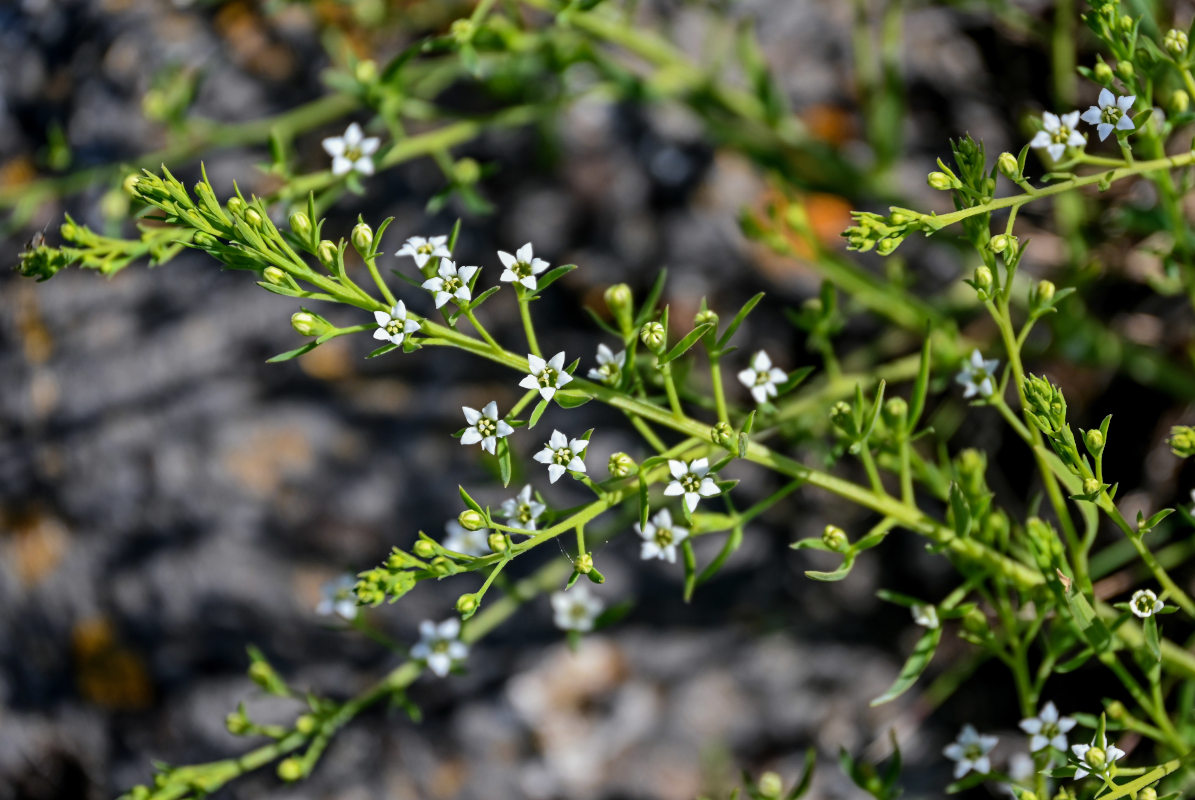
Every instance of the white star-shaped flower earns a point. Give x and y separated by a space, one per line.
609 366
523 510
351 152
576 609
1112 113
522 267
462 540
1059 134
1095 758
660 537
485 427
761 377
970 752
440 646
450 282
925 615
978 376
394 325
424 250
562 455
546 376
1047 729
692 480
336 597
1145 603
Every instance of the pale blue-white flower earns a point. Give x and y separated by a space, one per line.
1095 758
562 455
394 325
523 510
546 376
761 377
440 646
337 597
660 537
970 752
485 427
576 609
450 282
693 480
978 376
522 267
462 540
1145 603
1047 729
351 152
424 250
609 366
1112 113
925 615
1058 134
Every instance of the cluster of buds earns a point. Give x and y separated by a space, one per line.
884 234
1182 441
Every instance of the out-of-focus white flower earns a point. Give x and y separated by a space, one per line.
351 152
523 510
1095 758
1059 133
336 597
970 752
1047 729
925 615
978 376
462 540
609 366
576 609
439 646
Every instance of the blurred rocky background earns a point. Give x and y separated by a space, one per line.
167 498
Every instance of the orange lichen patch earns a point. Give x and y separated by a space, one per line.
331 361
17 172
37 545
249 40
261 460
829 123
107 673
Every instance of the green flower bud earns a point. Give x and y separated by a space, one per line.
306 724
327 253
1180 102
983 282
976 624
1125 70
236 206
307 324
129 184
621 465
1008 166
1103 73
261 673
467 171
462 30
940 181
653 336
498 542
896 412
1001 242
770 785
1094 441
466 604
290 769
1126 23
1096 757
1041 295
722 433
1182 441
253 218
1148 793
471 520
441 566
583 563
886 247
1116 710
621 303
300 225
706 316
1175 42
204 240
843 417
424 549
835 538
237 723
1091 487
362 238
366 71
275 276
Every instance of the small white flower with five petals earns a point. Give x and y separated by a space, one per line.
691 480
440 646
462 540
485 427
424 250
1145 603
978 376
351 152
1059 133
970 752
394 325
523 510
761 377
660 537
1095 758
522 267
1112 113
336 597
546 376
576 609
450 281
562 455
926 615
1047 729
609 366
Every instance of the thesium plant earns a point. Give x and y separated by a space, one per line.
963 421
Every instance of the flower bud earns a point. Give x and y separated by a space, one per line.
275 276
886 247
327 253
261 673
983 282
424 549
621 465
307 324
441 566
1007 163
467 171
366 71
1094 441
1180 102
129 185
1175 42
843 417
471 520
362 238
896 412
1182 441
940 181
290 769
306 724
706 316
653 336
300 225
722 433
1000 242
498 542
620 302
583 563
1116 710
835 538
1148 793
237 723
253 218
1125 70
1096 757
1103 73
204 240
1091 486
1126 23
466 604
975 623
770 785
462 30
1041 295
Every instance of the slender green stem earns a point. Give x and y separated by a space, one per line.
372 264
719 393
469 315
670 390
528 326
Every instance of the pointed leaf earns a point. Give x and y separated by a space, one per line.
922 654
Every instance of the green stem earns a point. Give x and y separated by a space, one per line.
372 264
480 328
719 393
528 327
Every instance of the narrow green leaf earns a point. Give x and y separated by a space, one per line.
649 302
289 354
960 511
922 654
921 384
571 399
553 275
537 412
690 339
469 501
504 462
806 775
733 327
836 575
690 559
386 348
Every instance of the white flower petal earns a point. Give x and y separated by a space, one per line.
554 472
1092 116
470 436
341 166
1106 97
525 253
